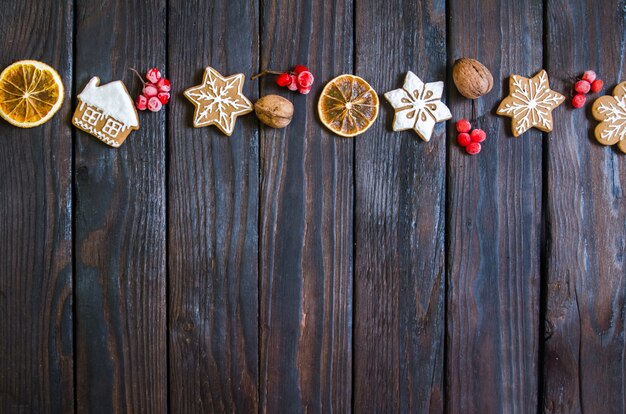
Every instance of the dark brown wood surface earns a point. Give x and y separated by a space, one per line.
213 185
583 363
494 222
306 199
399 219
37 355
120 228
295 271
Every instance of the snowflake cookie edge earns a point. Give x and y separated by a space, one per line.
614 103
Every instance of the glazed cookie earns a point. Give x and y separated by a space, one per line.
107 112
530 103
218 100
418 106
611 112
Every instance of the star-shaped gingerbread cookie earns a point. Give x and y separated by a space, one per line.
611 111
530 103
418 106
218 100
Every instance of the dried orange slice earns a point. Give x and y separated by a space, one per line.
30 93
348 105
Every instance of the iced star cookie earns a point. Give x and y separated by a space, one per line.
418 106
530 103
107 112
218 100
611 112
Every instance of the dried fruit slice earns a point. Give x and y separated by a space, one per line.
30 93
348 105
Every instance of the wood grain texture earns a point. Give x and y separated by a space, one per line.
213 216
306 219
494 221
584 366
295 271
399 218
36 355
121 337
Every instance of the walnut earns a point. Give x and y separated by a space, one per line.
274 111
471 78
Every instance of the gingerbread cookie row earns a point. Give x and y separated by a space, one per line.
31 92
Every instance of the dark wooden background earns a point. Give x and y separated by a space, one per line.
289 271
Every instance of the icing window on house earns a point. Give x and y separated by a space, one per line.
112 128
91 116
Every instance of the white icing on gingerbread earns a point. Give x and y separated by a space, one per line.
112 99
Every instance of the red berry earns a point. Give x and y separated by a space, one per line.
596 85
304 91
473 148
463 139
305 79
154 104
293 83
164 97
150 90
299 69
579 100
478 135
283 79
582 86
153 75
463 125
589 76
163 85
141 103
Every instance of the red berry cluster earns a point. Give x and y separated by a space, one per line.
469 140
588 83
155 92
300 79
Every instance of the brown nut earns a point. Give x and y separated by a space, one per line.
471 78
274 111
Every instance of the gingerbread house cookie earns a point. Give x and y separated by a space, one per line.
107 112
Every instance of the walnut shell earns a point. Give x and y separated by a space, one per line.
274 111
471 78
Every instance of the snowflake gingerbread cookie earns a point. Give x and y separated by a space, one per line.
418 106
611 111
218 100
530 103
107 112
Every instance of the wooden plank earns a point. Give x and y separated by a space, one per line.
213 217
399 218
306 219
36 355
121 341
584 365
494 221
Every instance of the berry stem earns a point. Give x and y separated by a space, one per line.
139 76
266 72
